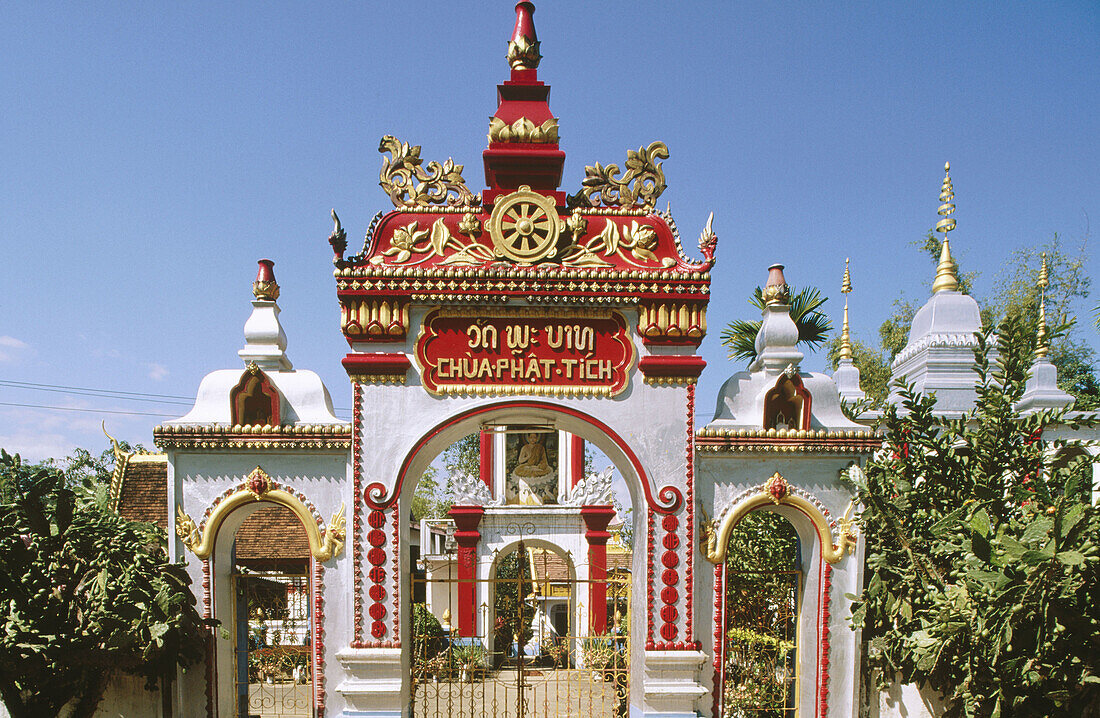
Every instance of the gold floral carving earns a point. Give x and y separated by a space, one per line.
523 130
265 290
523 53
437 241
642 183
375 319
672 320
638 239
409 184
321 546
714 535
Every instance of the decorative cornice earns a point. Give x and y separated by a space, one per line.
786 441
936 341
389 367
314 437
672 369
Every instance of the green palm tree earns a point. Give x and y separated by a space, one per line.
739 337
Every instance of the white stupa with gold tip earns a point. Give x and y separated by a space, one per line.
846 375
939 356
1041 390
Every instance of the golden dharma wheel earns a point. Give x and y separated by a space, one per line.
524 226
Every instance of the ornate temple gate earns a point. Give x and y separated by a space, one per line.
518 306
533 653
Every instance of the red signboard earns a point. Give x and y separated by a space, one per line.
525 351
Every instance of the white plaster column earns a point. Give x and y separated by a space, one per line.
373 685
672 684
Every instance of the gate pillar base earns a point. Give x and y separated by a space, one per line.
672 683
374 683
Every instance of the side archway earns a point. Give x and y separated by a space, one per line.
200 539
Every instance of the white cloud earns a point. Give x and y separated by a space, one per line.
6 341
10 347
157 372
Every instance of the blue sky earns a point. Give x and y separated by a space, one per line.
153 152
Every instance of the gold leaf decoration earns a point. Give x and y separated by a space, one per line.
410 240
642 183
409 184
523 130
638 239
523 53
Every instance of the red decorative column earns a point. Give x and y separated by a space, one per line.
576 460
596 519
466 520
485 460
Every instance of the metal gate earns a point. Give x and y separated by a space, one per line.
272 657
532 654
762 596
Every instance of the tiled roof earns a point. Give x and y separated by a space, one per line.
552 568
274 533
143 489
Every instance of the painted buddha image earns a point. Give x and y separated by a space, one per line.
532 480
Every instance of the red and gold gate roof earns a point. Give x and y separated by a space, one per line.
522 239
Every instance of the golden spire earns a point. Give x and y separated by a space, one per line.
1042 344
845 339
946 281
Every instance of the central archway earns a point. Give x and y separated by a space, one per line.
582 655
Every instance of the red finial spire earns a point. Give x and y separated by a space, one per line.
265 286
523 48
523 133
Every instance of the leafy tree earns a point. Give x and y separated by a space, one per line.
983 579
83 593
739 337
512 615
432 498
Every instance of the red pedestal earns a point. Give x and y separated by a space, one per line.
466 520
596 519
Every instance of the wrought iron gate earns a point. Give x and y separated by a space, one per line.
272 657
532 653
763 586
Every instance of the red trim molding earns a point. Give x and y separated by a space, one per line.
672 366
388 365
